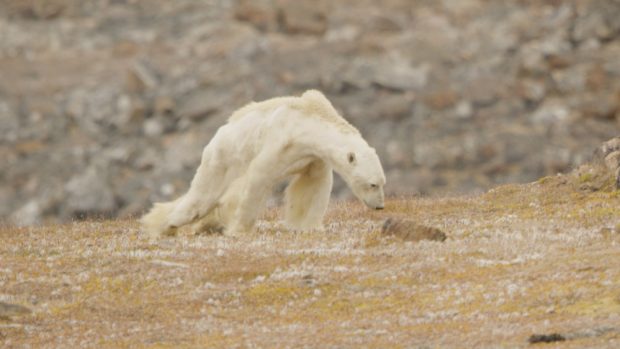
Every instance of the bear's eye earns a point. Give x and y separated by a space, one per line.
351 157
373 186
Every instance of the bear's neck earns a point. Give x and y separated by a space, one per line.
333 146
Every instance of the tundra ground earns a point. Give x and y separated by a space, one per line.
521 260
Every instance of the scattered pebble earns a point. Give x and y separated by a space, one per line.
169 264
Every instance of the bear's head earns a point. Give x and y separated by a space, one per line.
364 175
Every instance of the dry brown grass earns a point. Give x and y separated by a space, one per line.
527 259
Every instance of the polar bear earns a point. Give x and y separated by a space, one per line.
302 139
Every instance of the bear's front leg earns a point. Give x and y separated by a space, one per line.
206 188
307 196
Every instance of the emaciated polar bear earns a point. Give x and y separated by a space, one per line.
302 138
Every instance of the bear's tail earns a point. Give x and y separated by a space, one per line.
155 222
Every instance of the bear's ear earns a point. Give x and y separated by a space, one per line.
351 158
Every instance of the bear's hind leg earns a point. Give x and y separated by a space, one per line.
205 190
208 224
220 217
307 196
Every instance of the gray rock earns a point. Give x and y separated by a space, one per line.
153 127
9 123
397 155
591 25
393 106
120 154
28 214
596 105
551 112
158 125
596 19
164 105
147 159
464 110
346 33
184 152
572 79
533 90
400 75
200 103
142 76
89 193
302 16
395 74
131 111
36 10
262 13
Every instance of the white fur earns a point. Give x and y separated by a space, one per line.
302 138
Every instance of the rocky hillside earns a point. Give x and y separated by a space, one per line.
105 105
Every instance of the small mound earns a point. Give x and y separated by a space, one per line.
408 230
600 174
603 172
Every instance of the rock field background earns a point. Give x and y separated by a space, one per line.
105 105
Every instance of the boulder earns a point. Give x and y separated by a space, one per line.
90 194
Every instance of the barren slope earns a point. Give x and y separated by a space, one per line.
540 258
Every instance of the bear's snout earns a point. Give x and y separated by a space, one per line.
374 204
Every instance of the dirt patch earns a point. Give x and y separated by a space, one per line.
10 310
408 230
546 338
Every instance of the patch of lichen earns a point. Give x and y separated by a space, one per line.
124 292
594 177
373 239
273 293
337 306
124 343
605 304
211 338
226 269
231 275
